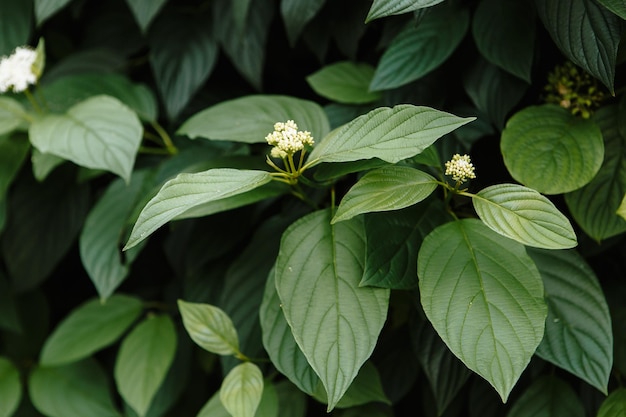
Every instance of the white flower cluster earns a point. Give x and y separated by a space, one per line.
16 70
286 139
460 167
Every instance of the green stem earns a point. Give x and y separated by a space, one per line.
33 101
167 140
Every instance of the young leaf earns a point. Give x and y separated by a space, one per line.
320 266
296 14
344 82
98 133
548 395
616 6
382 8
210 328
15 24
242 389
522 214
484 296
578 336
391 134
268 406
614 405
188 191
550 150
89 328
144 12
144 358
10 387
44 9
581 28
256 116
385 189
12 115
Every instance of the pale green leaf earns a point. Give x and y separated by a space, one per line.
484 296
296 14
10 387
587 33
578 336
44 164
320 266
12 115
548 149
249 119
210 328
616 6
268 406
385 189
390 134
15 24
522 214
614 405
188 191
145 11
143 360
382 8
548 396
98 133
44 9
89 328
77 390
344 82
242 389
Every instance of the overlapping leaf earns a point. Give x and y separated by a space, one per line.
242 389
344 82
296 14
210 328
12 115
44 9
145 11
382 8
10 387
548 395
616 6
614 405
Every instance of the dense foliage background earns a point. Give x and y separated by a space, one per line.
135 92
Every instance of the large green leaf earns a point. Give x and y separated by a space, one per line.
614 405
98 133
382 8
188 191
586 32
143 360
548 149
344 82
210 328
15 24
242 389
504 32
594 206
391 134
616 6
320 266
44 9
255 118
76 390
10 387
548 396
385 189
416 51
522 214
12 115
296 14
89 328
145 11
484 296
578 336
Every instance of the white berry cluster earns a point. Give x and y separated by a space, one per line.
16 70
286 139
460 167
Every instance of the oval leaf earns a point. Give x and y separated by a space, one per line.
391 134
385 189
10 388
484 296
548 396
614 405
210 328
344 82
188 191
578 335
522 214
320 266
143 361
242 389
382 8
98 133
89 328
548 149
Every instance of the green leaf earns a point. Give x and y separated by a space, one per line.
98 133
334 170
182 55
391 134
187 191
144 358
44 164
614 405
385 189
587 33
241 8
344 82
210 328
616 6
382 8
89 328
76 390
12 115
268 406
578 336
242 389
621 210
548 149
10 387
256 116
15 24
13 152
522 214
548 396
296 14
594 206
320 266
214 408
44 9
504 32
416 51
145 12
484 296
291 401
9 316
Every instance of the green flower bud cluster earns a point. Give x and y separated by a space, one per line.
572 88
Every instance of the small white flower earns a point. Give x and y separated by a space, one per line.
16 70
286 139
460 167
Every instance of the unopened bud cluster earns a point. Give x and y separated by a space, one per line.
460 168
17 70
286 139
573 89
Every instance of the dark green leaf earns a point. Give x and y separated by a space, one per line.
296 14
291 401
102 61
15 24
614 405
365 388
145 11
344 82
13 152
9 318
334 170
616 6
382 8
10 387
46 8
548 396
